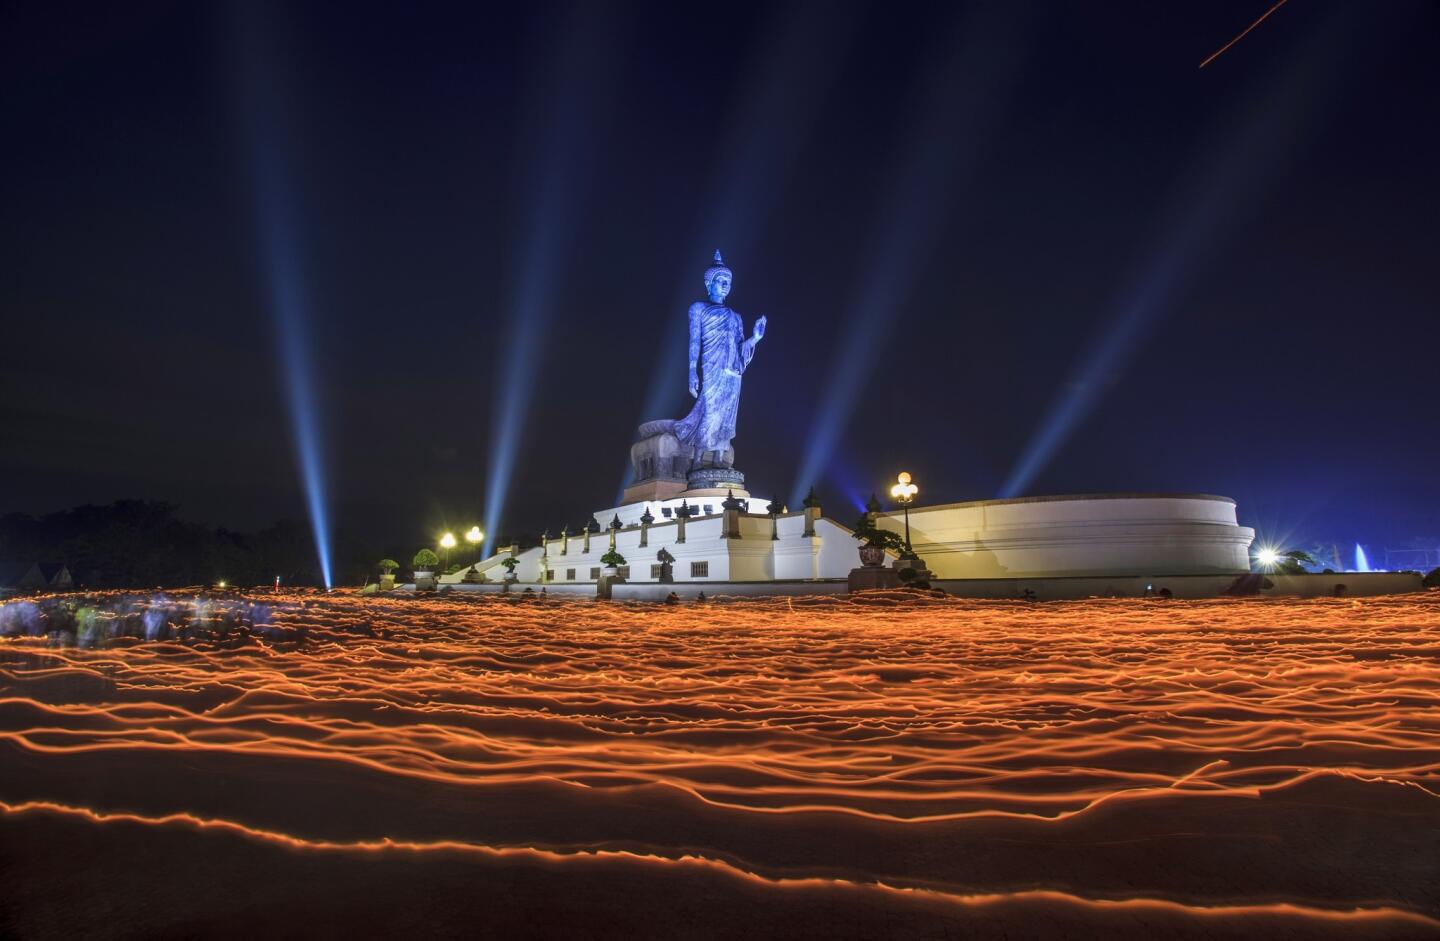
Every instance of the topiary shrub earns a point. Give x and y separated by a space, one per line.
1295 562
388 565
1433 579
612 558
425 561
873 535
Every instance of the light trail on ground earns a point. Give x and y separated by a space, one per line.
1281 757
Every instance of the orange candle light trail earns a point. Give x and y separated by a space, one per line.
1269 763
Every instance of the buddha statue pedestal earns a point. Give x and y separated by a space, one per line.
714 480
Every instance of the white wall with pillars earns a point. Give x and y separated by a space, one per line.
1103 534
755 556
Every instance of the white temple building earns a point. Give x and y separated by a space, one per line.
689 509
746 550
1111 545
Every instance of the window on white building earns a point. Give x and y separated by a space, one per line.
699 569
656 571
570 575
594 573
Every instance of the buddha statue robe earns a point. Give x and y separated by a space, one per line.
720 352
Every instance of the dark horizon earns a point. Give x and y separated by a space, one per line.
1043 231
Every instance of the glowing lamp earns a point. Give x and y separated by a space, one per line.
904 492
447 541
474 536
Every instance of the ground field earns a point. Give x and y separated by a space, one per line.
328 766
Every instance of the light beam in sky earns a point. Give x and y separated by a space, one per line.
940 140
269 130
1362 564
1218 186
566 103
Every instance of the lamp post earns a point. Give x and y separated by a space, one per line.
904 492
447 542
475 537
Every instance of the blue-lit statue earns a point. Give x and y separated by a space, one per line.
719 353
695 451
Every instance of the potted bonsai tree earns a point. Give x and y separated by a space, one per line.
509 565
425 563
387 574
875 541
611 562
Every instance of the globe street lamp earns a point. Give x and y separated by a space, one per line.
904 493
447 542
475 537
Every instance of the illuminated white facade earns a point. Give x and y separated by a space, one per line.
1092 534
1103 534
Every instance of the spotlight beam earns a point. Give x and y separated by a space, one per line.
955 100
269 129
1215 188
570 86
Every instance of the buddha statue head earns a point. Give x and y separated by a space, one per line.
717 280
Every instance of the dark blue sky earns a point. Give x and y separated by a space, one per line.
1036 248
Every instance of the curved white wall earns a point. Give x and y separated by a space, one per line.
1100 534
1104 534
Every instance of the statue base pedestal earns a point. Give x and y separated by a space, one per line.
646 491
716 480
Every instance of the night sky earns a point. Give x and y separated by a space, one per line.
1006 248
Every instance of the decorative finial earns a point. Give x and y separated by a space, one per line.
615 523
730 503
593 526
718 259
811 500
645 517
873 505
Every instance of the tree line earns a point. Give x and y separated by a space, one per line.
144 543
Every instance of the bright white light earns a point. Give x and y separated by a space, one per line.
904 490
1267 557
447 541
474 535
